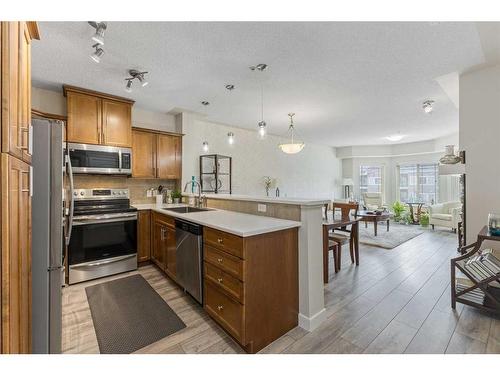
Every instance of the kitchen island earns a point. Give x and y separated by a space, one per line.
249 262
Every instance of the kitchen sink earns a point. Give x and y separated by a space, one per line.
187 209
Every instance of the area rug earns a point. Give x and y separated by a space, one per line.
128 315
398 234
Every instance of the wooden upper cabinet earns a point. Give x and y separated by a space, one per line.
168 156
84 118
156 154
98 118
116 123
16 88
144 154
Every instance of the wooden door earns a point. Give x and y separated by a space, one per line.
116 123
143 154
84 118
170 263
144 236
168 156
25 91
16 255
159 244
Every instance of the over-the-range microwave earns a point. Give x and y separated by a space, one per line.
97 159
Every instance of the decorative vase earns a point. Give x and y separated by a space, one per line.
494 224
177 200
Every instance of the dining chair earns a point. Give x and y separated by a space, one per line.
343 235
333 246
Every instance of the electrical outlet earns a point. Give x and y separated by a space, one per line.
149 193
261 207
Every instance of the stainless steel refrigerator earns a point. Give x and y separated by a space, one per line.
48 234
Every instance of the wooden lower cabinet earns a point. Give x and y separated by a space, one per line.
253 296
143 236
15 255
163 243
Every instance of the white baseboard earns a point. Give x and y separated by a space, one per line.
313 322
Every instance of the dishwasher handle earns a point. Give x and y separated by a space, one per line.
187 226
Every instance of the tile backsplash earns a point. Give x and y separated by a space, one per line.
137 186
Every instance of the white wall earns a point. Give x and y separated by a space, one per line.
480 138
54 102
314 172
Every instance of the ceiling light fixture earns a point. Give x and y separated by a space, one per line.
292 147
230 87
450 157
230 138
395 137
262 124
97 54
135 74
427 106
205 103
205 146
99 27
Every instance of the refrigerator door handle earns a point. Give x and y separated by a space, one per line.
71 208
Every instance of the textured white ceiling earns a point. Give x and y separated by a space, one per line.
349 83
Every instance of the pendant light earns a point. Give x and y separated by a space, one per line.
262 124
293 146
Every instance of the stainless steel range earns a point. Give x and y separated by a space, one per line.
104 234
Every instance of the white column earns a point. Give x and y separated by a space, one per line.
311 294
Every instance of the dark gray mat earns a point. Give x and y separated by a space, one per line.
128 315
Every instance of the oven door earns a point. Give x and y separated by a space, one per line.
102 245
96 159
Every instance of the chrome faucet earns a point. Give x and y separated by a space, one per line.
199 199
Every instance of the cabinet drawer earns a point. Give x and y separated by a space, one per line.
167 220
224 241
224 261
231 286
225 311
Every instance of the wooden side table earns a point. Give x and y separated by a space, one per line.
459 262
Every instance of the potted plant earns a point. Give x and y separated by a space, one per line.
398 208
176 196
424 219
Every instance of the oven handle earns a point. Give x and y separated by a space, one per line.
97 220
104 262
72 198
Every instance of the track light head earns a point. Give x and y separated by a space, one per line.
142 80
97 54
139 75
99 27
128 87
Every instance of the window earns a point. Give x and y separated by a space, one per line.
418 183
370 179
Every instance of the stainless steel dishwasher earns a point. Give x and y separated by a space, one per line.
189 257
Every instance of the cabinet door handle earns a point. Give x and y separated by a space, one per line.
220 280
220 240
219 260
220 307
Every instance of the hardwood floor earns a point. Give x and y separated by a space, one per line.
396 301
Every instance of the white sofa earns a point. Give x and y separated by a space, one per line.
373 201
445 214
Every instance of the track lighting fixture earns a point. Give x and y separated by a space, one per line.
99 27
135 74
97 54
205 103
230 87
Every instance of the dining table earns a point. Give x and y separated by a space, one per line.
334 222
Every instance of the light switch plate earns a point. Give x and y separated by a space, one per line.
148 193
261 207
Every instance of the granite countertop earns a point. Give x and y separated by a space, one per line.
263 199
240 224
